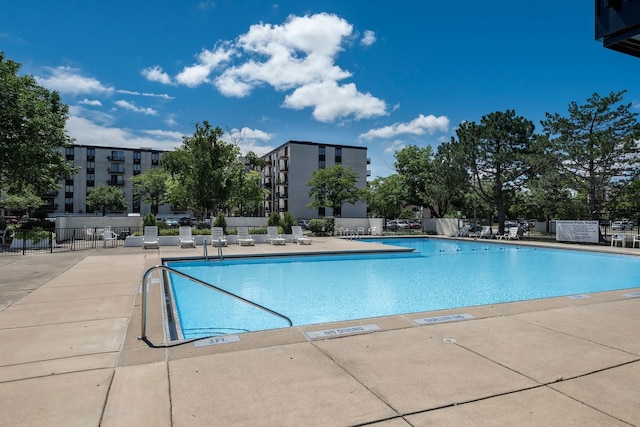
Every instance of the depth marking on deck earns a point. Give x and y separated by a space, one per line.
580 296
443 319
632 295
224 339
342 331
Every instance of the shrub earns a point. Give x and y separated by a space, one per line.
149 220
257 230
36 235
221 221
274 219
287 222
317 226
330 225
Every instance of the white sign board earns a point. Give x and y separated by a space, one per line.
577 231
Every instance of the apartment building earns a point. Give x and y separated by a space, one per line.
290 167
102 165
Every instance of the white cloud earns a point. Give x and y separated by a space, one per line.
155 74
297 56
208 61
148 94
69 80
419 126
132 107
93 102
368 39
250 140
87 132
331 101
396 145
286 56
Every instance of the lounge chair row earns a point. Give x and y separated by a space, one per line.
186 239
510 234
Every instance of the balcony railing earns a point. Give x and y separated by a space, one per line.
115 158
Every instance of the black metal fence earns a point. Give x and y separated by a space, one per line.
23 241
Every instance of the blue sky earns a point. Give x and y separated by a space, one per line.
370 73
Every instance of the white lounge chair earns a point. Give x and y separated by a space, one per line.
485 233
244 238
618 238
513 233
109 236
185 238
273 237
150 238
217 237
636 240
372 231
298 236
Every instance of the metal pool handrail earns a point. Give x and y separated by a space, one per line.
143 331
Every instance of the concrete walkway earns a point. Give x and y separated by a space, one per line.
70 356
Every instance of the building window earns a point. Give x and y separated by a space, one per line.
322 152
137 157
136 168
68 188
322 164
69 153
91 178
116 168
320 212
91 154
338 155
116 156
155 158
91 167
116 180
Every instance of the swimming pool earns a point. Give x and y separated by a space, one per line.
440 274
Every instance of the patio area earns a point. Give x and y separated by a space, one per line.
70 355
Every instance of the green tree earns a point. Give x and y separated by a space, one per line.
627 205
106 198
597 146
32 134
333 186
496 153
201 169
247 193
151 187
436 181
22 202
386 195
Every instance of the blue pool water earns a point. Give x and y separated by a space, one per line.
439 274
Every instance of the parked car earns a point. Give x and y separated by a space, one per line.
304 224
171 222
414 225
397 224
624 224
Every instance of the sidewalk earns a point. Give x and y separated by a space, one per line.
70 355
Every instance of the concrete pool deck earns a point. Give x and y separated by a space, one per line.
70 355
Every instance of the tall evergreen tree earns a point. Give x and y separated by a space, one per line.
496 153
598 148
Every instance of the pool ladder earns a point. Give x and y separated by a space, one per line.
145 277
205 252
